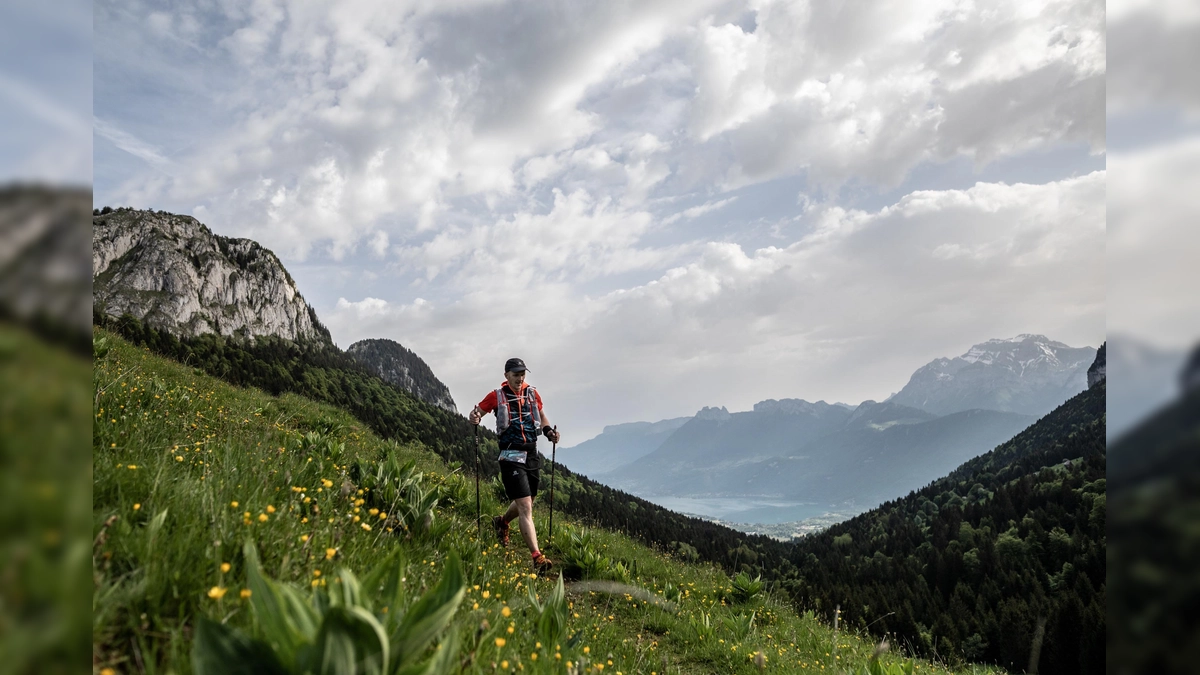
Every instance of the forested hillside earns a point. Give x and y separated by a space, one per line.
963 569
327 375
238 532
1003 557
401 367
1154 483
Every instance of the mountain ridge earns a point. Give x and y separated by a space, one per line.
401 367
173 273
1028 374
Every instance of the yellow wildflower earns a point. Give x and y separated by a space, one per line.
224 567
506 612
303 538
329 553
216 592
233 504
270 508
245 594
137 507
262 517
500 642
366 527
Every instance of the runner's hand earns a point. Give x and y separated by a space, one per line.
475 416
551 434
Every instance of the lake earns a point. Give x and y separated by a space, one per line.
744 509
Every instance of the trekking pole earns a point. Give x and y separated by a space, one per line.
553 452
478 470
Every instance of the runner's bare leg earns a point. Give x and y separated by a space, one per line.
521 510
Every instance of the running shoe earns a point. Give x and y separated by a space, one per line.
501 527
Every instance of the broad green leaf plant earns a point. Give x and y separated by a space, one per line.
339 629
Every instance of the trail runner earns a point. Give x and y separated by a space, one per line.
519 420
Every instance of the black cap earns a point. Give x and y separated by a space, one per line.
514 365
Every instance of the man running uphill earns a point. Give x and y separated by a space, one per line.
519 420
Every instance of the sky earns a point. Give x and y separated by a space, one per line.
46 92
660 206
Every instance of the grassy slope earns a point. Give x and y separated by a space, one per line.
221 464
44 491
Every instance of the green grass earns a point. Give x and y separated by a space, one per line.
44 490
187 469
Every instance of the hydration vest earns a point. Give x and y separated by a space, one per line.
522 425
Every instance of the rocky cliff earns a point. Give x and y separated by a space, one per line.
174 274
1099 368
43 256
402 368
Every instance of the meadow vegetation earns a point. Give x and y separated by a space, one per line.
237 531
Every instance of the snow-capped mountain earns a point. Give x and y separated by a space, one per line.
1028 374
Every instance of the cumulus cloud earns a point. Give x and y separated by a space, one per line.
869 91
366 112
844 312
1153 244
573 182
369 115
1152 47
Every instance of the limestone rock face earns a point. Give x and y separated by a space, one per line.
400 367
43 255
1099 368
174 274
714 414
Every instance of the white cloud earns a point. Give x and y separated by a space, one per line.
508 164
842 313
131 144
379 244
1153 48
1153 244
367 113
697 211
873 91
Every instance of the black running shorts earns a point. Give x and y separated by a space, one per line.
521 480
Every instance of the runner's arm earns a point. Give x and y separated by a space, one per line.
487 405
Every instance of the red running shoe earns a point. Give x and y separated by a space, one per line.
501 527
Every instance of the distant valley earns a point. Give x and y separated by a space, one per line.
786 462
